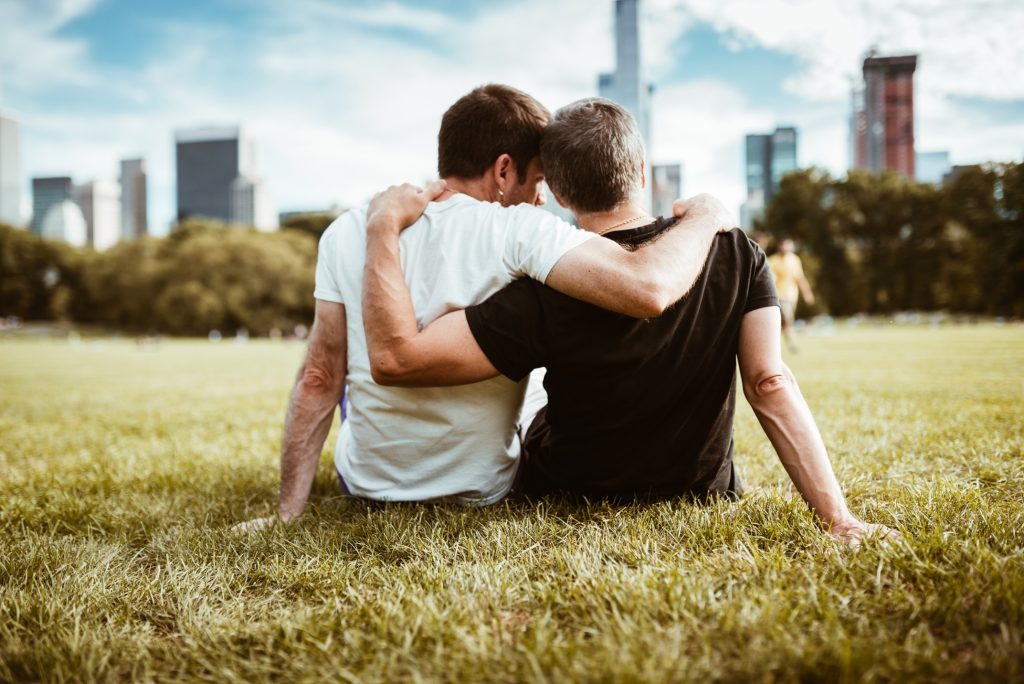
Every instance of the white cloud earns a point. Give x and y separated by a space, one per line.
703 123
968 49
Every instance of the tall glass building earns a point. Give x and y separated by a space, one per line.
883 117
48 193
208 162
134 217
626 85
769 157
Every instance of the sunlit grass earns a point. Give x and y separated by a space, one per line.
122 469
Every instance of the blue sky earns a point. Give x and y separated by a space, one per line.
344 97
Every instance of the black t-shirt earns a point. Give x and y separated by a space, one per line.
636 408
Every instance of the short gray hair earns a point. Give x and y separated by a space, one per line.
592 154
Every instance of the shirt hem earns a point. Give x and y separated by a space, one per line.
328 296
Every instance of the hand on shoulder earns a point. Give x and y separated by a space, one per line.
705 206
400 206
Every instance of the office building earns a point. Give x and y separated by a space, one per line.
250 205
930 167
208 162
134 217
882 122
769 157
64 221
100 204
10 171
47 193
626 85
667 187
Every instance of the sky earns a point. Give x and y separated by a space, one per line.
344 97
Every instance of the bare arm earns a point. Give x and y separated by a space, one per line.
647 281
774 395
318 390
805 287
445 353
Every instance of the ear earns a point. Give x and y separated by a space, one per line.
504 174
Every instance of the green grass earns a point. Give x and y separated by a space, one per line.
121 471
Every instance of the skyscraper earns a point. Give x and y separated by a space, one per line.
667 187
626 84
769 156
10 171
208 162
134 221
46 193
883 127
100 203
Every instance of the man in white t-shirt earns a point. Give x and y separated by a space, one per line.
403 444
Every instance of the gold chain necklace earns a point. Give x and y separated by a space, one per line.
619 225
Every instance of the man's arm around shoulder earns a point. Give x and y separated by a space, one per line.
645 282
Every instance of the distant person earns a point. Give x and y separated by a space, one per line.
484 232
790 283
635 409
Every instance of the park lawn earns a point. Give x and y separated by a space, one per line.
123 468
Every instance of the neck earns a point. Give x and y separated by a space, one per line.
477 188
624 216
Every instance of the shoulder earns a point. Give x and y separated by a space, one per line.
737 243
352 220
528 217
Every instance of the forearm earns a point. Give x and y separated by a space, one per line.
388 315
788 422
309 418
642 283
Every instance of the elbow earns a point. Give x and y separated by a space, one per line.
658 301
387 370
766 384
650 300
321 380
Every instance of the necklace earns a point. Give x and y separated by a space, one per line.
618 225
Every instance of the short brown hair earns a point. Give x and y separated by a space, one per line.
486 123
592 153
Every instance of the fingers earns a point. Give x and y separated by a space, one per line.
435 188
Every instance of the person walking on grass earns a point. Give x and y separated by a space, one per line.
790 283
636 409
414 445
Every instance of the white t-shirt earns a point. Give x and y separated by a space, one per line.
403 444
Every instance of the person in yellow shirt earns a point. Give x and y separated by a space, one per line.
790 283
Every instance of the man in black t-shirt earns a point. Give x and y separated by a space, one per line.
635 408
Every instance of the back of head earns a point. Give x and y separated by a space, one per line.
593 155
484 124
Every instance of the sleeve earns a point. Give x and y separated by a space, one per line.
327 287
536 240
761 291
509 327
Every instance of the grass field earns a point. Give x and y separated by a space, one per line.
122 470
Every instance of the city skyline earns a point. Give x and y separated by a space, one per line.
96 82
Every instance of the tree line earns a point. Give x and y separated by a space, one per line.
871 243
203 276
879 243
